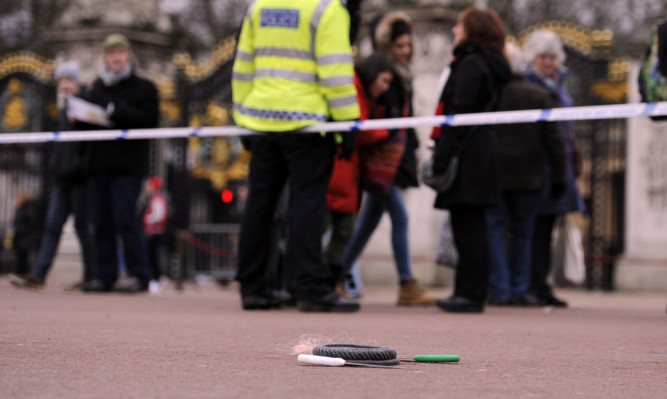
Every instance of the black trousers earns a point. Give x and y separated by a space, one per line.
542 255
307 159
157 248
472 241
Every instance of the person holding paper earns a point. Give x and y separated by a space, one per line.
69 195
117 168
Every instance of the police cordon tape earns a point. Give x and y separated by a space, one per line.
595 112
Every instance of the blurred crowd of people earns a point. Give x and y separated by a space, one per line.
100 182
511 184
294 67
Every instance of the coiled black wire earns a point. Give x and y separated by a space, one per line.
382 355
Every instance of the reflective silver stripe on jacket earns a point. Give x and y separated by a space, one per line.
299 55
315 22
334 59
283 52
309 77
244 77
343 101
243 56
338 81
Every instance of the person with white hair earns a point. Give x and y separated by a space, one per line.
544 52
521 150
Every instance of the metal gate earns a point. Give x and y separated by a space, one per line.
27 103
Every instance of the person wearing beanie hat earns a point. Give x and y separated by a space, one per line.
69 195
117 40
118 59
117 168
70 70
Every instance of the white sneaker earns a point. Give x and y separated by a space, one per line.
154 287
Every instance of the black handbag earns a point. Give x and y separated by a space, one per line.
444 181
440 182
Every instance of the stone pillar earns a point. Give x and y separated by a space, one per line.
644 263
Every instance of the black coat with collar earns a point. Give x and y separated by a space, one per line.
478 74
524 147
135 107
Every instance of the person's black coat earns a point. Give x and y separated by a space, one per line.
396 100
67 160
135 107
523 147
28 222
477 76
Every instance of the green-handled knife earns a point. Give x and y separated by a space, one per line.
434 359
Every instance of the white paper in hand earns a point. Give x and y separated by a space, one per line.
84 111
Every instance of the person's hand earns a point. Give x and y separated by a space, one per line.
558 189
347 144
246 142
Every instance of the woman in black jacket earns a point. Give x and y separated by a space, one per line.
478 73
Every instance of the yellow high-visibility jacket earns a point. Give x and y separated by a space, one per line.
293 66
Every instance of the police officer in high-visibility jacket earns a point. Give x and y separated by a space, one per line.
293 68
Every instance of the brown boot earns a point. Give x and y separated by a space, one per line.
412 294
340 289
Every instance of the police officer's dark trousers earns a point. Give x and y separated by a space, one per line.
307 159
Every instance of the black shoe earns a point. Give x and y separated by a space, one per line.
74 287
26 281
551 300
285 298
527 300
331 302
96 286
459 304
259 302
131 285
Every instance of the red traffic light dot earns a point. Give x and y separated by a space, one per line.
227 196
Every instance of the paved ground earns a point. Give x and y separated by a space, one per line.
199 344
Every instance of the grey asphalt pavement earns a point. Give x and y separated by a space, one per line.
198 343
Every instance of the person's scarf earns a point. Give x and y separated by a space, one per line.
405 75
110 78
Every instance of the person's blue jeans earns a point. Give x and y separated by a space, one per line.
66 199
113 203
373 208
514 218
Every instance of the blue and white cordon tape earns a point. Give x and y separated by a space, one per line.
619 111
